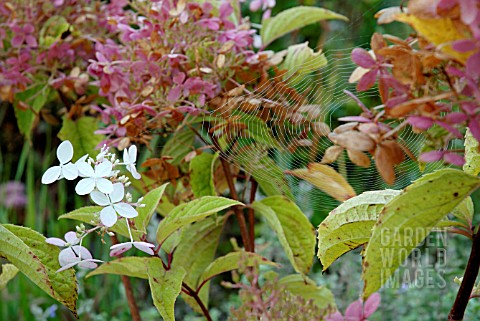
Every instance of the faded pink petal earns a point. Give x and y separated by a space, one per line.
371 305
456 118
474 126
174 93
360 119
362 58
420 122
454 159
120 248
432 156
354 311
469 10
368 80
473 65
450 128
463 45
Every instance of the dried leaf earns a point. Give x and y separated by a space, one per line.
359 158
331 154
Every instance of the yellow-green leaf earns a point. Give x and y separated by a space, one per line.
38 260
8 272
165 287
350 224
326 179
292 19
89 215
190 212
472 155
195 251
132 266
408 219
300 61
202 168
232 261
151 201
294 231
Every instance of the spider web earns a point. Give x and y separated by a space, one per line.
323 90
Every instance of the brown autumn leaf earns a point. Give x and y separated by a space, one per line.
331 154
387 155
326 179
353 140
358 158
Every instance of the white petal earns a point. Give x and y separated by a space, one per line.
88 264
132 154
70 171
84 169
84 253
126 159
85 186
144 247
118 249
51 175
133 170
65 152
71 238
103 169
67 266
104 185
108 216
118 192
55 241
99 198
67 256
125 210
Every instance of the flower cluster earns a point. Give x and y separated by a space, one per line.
171 59
48 43
430 80
101 180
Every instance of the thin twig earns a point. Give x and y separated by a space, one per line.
251 214
463 296
195 296
129 292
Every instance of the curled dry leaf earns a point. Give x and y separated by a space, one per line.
358 158
326 179
353 140
331 154
387 155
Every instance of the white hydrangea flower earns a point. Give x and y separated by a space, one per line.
113 205
70 239
76 255
94 178
129 159
65 169
120 248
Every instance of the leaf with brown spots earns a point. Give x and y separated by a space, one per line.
408 218
38 260
350 224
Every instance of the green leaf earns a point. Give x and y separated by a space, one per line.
81 134
179 145
90 215
294 231
8 272
202 168
300 61
36 97
350 224
165 287
190 212
407 220
195 251
257 129
292 19
464 210
131 266
52 30
306 288
151 201
472 155
232 261
38 260
266 172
